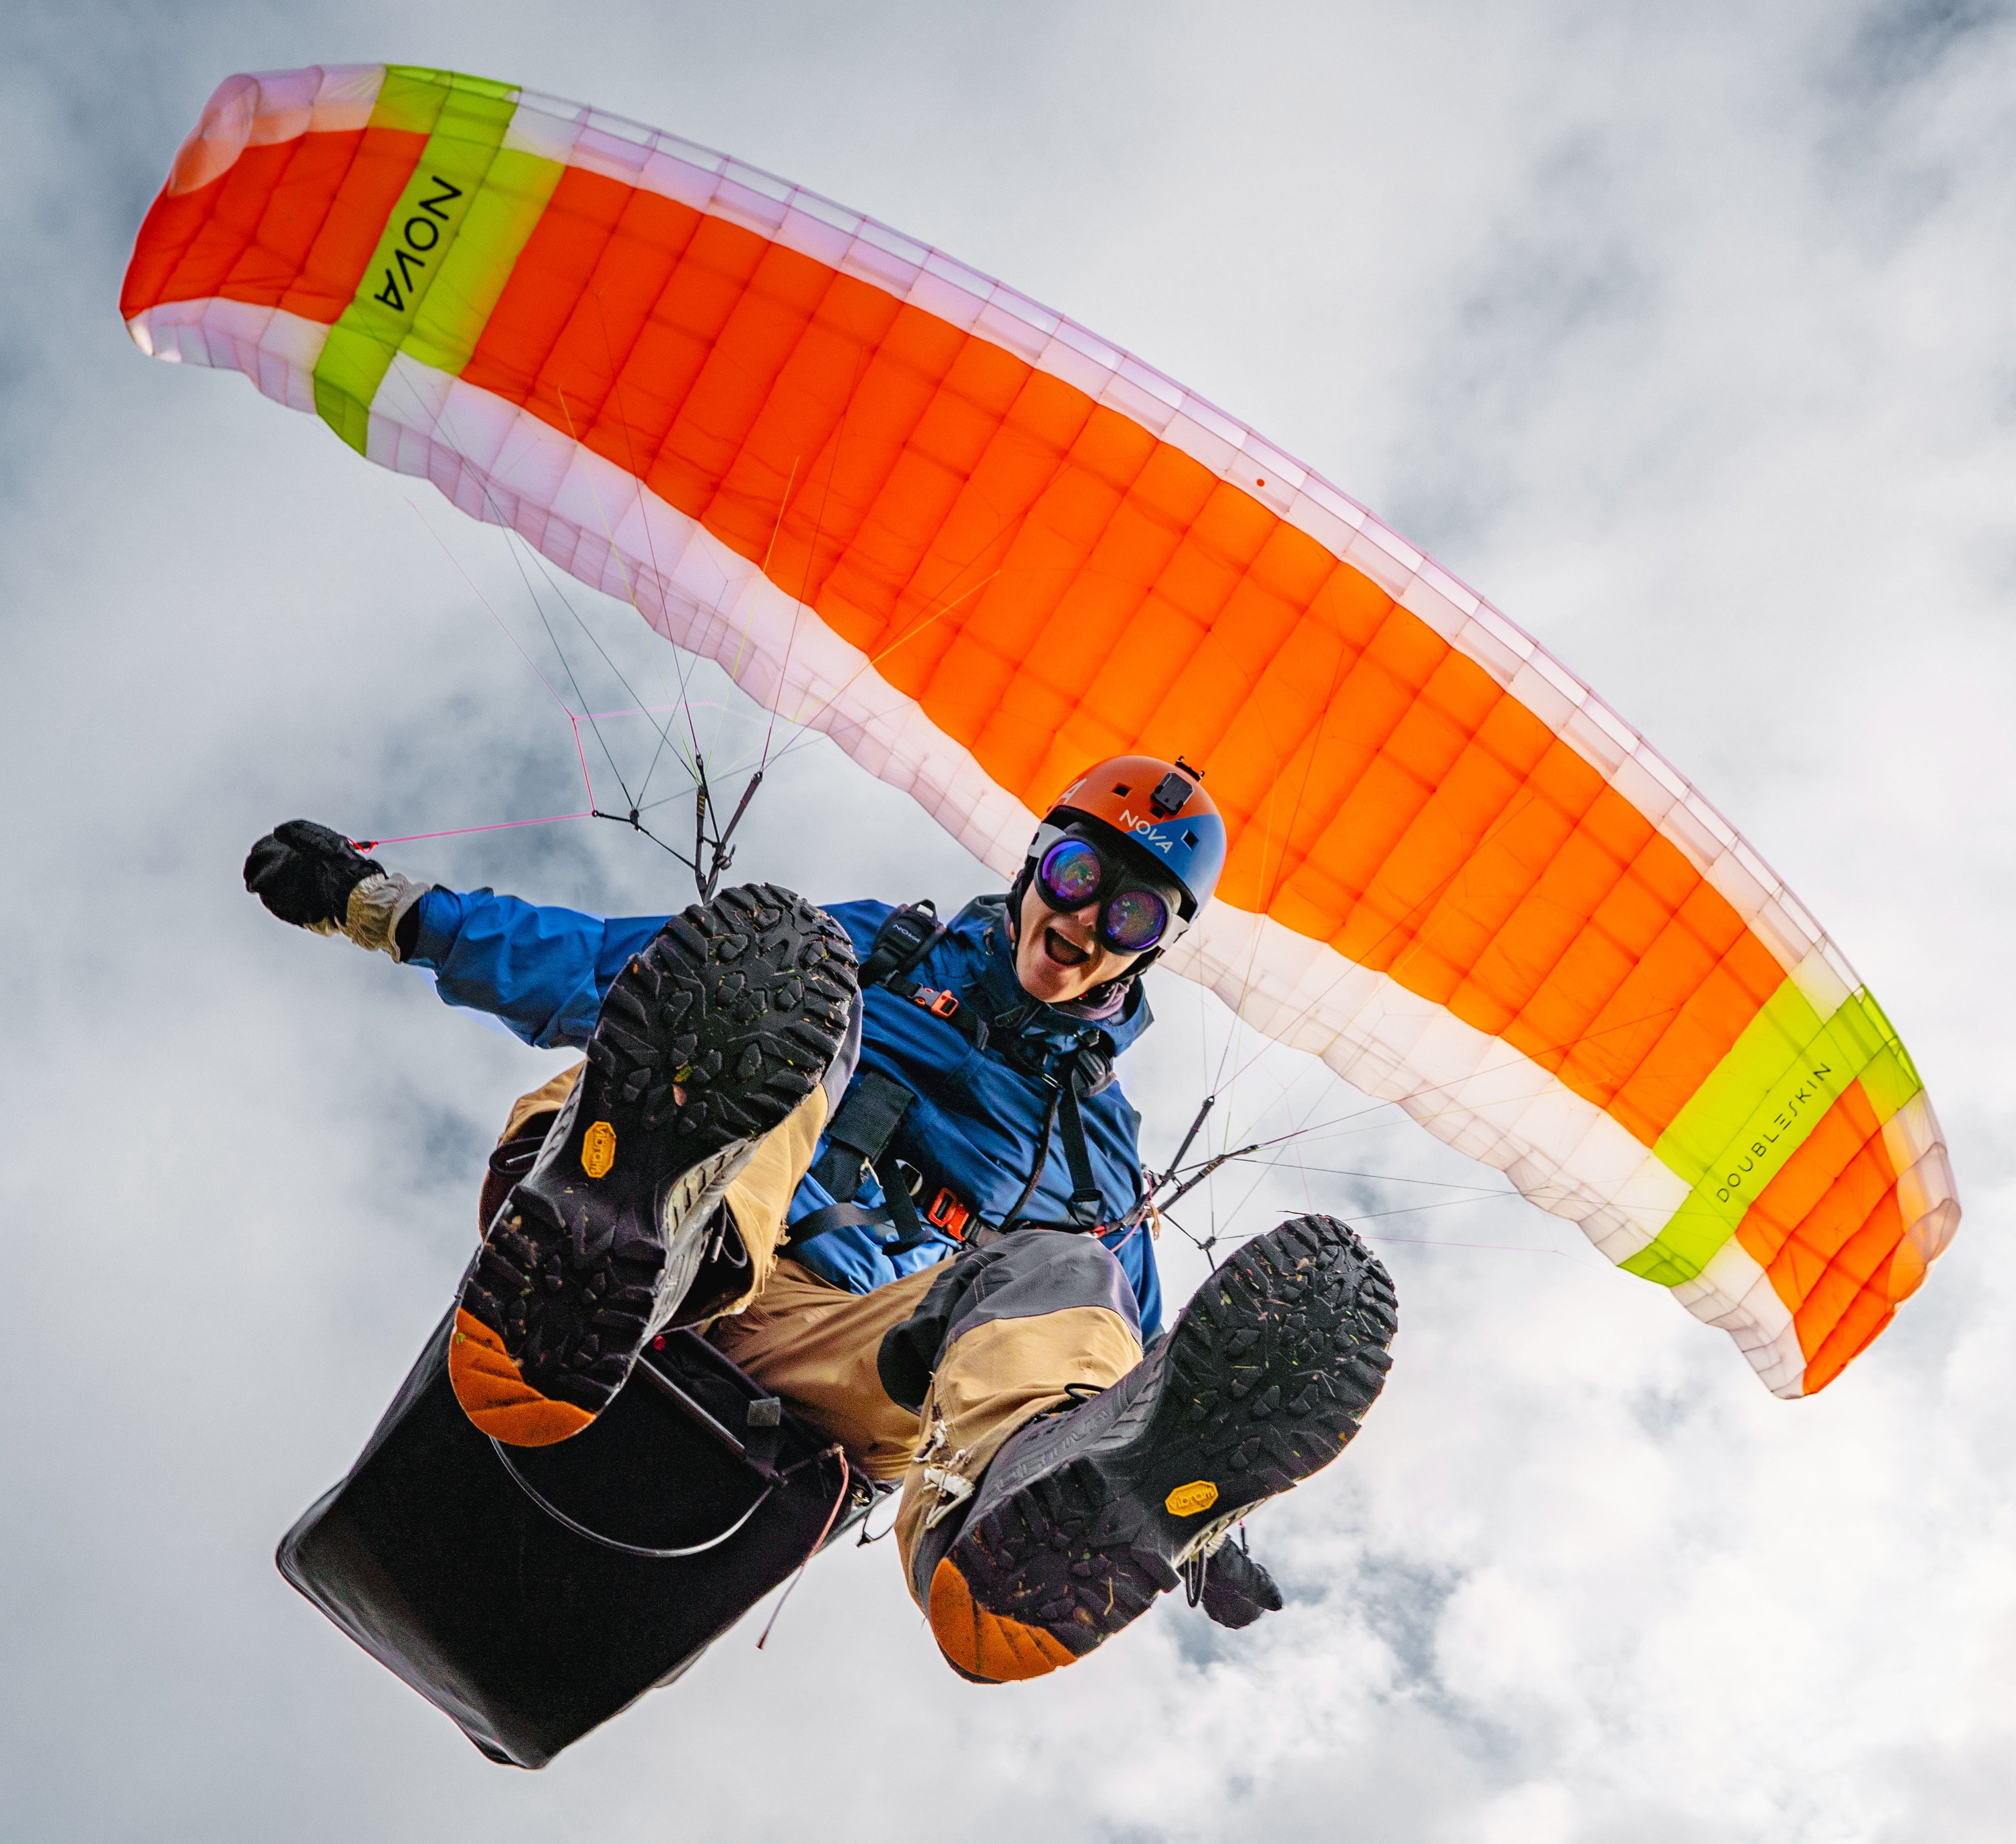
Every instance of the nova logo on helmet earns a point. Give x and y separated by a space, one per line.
1145 828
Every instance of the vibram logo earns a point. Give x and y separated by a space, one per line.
598 1150
1186 1501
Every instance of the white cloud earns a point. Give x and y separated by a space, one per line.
1683 333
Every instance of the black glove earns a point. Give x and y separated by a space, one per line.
304 874
1237 1589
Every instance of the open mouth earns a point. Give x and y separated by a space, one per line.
1063 953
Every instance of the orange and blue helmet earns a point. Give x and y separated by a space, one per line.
1160 809
1127 827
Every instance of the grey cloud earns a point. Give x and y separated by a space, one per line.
1903 42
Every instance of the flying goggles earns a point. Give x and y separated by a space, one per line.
1133 915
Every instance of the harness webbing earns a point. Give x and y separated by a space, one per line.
859 1133
1088 1206
858 1136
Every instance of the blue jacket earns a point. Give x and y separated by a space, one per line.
974 1124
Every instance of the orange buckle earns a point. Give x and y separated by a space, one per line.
940 1005
948 1213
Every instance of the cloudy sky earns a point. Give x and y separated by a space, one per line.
1682 333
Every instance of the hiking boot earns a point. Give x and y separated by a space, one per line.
1086 1516
707 1040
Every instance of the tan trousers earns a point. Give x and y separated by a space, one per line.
817 1345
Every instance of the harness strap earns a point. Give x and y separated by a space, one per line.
1088 1207
907 934
859 1131
898 1209
1036 1171
862 1128
1088 1203
836 1216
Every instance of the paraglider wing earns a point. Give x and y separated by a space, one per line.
979 547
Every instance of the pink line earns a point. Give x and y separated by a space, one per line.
588 780
1502 1247
455 832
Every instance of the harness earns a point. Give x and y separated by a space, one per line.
858 1135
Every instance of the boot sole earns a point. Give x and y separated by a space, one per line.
741 1002
1269 1369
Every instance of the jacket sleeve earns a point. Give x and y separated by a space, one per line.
541 971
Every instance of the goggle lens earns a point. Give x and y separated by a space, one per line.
1135 919
1072 873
